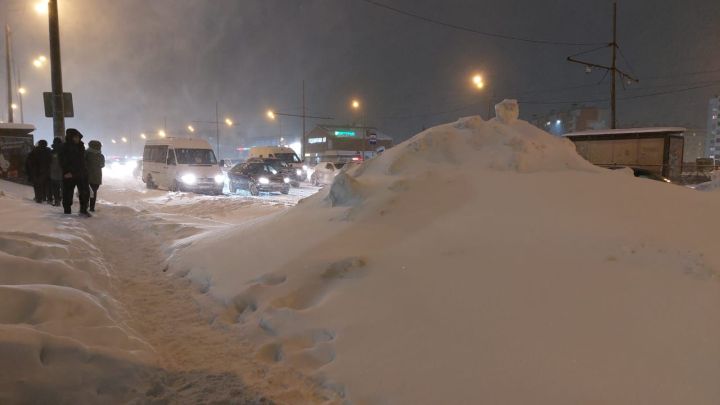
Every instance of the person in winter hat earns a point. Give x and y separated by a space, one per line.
38 168
94 161
72 162
56 174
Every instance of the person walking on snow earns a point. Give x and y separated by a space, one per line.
72 161
38 168
56 173
94 161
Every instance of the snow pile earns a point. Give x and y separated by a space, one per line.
60 339
481 262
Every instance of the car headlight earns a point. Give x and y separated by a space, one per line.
286 179
188 179
264 180
298 172
219 178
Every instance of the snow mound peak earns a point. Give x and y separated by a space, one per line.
472 144
507 111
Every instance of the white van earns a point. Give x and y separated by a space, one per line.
177 164
284 153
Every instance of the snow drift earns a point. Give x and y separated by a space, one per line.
60 338
481 262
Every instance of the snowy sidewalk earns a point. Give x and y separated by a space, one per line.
88 315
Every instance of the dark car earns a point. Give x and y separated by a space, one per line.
257 177
295 175
644 173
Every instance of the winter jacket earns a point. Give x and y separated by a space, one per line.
72 160
94 161
38 163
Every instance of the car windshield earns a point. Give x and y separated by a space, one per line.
278 164
195 156
260 168
288 157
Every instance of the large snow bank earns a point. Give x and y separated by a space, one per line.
481 262
60 338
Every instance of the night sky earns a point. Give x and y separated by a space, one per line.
131 64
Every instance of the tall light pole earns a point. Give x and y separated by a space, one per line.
56 71
9 79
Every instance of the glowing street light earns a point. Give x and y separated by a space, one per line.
191 128
37 63
113 141
228 122
143 136
478 81
123 139
271 114
22 90
13 106
42 59
41 7
355 104
162 134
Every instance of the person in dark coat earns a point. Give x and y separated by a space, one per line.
94 161
72 162
38 168
56 173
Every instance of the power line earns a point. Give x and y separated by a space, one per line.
475 31
639 96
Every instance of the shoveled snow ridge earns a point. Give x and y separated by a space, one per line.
481 262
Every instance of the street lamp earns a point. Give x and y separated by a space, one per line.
228 122
271 114
191 128
113 141
22 90
161 133
41 7
13 106
355 104
478 81
143 136
123 139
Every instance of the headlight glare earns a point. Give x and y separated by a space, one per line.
189 179
264 180
298 172
286 180
219 178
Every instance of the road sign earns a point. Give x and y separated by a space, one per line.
67 105
372 138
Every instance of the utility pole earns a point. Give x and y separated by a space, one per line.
56 71
612 69
9 78
302 148
217 127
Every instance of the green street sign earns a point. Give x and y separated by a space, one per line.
345 134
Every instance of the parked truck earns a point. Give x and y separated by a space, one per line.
659 150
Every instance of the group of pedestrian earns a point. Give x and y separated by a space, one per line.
56 172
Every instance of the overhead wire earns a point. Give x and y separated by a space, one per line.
476 31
